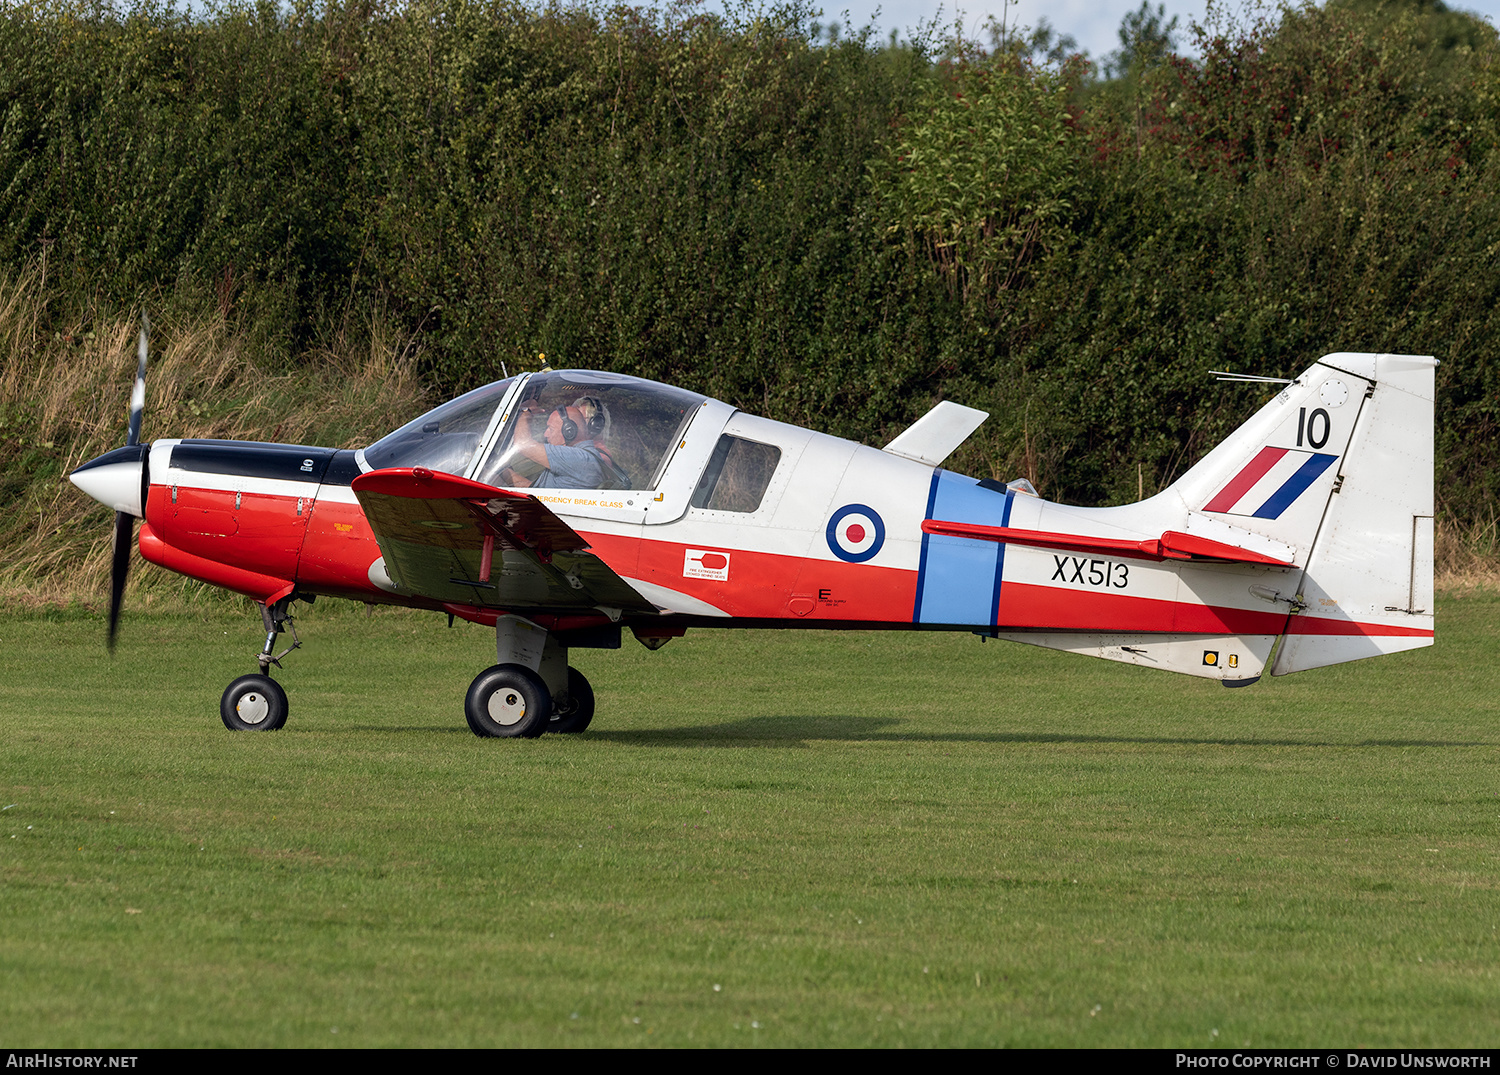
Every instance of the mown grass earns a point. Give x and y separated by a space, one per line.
767 839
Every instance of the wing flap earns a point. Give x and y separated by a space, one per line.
462 542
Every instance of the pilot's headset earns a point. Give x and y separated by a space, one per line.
595 419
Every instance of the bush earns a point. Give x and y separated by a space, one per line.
830 230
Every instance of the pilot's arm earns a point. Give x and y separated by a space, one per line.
572 467
525 441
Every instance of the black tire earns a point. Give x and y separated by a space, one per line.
253 704
508 701
572 714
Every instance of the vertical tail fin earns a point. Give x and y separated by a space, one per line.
1368 583
1339 468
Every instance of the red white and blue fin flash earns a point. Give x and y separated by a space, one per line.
1270 483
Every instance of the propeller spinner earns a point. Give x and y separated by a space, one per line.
118 480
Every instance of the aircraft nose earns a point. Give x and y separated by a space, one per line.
116 479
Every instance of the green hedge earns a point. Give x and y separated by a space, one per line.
830 231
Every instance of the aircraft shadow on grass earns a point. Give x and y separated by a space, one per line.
789 730
783 731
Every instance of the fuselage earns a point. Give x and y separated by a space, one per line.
836 539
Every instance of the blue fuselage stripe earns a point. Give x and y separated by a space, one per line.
959 578
1010 499
1295 486
916 612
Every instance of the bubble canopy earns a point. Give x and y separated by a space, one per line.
596 431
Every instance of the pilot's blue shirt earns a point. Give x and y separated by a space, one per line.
575 466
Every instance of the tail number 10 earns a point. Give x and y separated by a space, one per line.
1316 426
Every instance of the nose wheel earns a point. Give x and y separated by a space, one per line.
253 703
256 703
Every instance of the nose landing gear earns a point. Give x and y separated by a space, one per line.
256 703
275 617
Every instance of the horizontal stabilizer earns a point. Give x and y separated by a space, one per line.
1172 545
934 436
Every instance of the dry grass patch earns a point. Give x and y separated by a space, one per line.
1467 558
65 378
65 384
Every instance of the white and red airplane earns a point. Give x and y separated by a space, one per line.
564 506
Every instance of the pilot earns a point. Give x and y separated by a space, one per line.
570 453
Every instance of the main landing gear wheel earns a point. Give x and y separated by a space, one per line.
508 701
573 713
253 704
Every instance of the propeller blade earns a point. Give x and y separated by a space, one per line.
138 394
124 521
124 532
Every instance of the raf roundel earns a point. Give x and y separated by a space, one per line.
855 533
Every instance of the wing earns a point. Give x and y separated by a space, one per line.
462 542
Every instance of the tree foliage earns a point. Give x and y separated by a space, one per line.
829 229
980 177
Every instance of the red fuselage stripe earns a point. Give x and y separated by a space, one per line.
1027 605
1241 483
1317 625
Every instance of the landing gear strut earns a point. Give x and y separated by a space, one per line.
256 703
275 617
532 690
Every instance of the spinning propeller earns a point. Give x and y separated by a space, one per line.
118 479
124 521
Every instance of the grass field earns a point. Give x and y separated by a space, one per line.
770 839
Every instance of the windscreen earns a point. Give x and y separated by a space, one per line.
445 438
